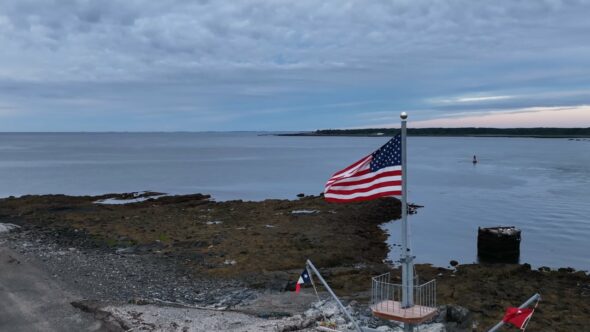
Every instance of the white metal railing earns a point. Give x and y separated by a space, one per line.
387 297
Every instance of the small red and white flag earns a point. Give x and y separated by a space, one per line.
376 175
518 317
304 279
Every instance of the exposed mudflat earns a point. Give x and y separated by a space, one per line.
191 250
255 242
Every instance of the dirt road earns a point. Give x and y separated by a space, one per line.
31 300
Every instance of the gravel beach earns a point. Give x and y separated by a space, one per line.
232 265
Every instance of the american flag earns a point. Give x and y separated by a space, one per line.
376 175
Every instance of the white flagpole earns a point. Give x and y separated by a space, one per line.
406 258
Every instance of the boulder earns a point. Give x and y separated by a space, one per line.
6 227
460 315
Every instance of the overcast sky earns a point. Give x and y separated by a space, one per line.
165 65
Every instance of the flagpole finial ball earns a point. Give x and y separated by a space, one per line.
404 115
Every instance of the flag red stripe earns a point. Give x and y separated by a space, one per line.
351 166
357 173
361 175
363 190
362 194
367 180
364 198
362 169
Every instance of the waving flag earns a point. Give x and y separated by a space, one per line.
376 175
304 279
518 317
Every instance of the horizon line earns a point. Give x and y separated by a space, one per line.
259 131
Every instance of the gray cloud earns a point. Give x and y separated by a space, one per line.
182 57
133 37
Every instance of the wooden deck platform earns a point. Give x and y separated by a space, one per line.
392 310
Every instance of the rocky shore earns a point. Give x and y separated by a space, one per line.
199 254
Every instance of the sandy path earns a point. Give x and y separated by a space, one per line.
31 300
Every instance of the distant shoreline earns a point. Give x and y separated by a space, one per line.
571 133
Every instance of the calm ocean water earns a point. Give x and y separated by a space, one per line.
540 185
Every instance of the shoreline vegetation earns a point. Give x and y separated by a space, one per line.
454 132
197 251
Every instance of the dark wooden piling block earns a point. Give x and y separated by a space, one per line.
498 244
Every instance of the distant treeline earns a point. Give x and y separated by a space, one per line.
526 132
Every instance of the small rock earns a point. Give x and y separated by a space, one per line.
460 315
441 317
297 212
128 250
330 309
436 327
340 321
5 227
311 312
